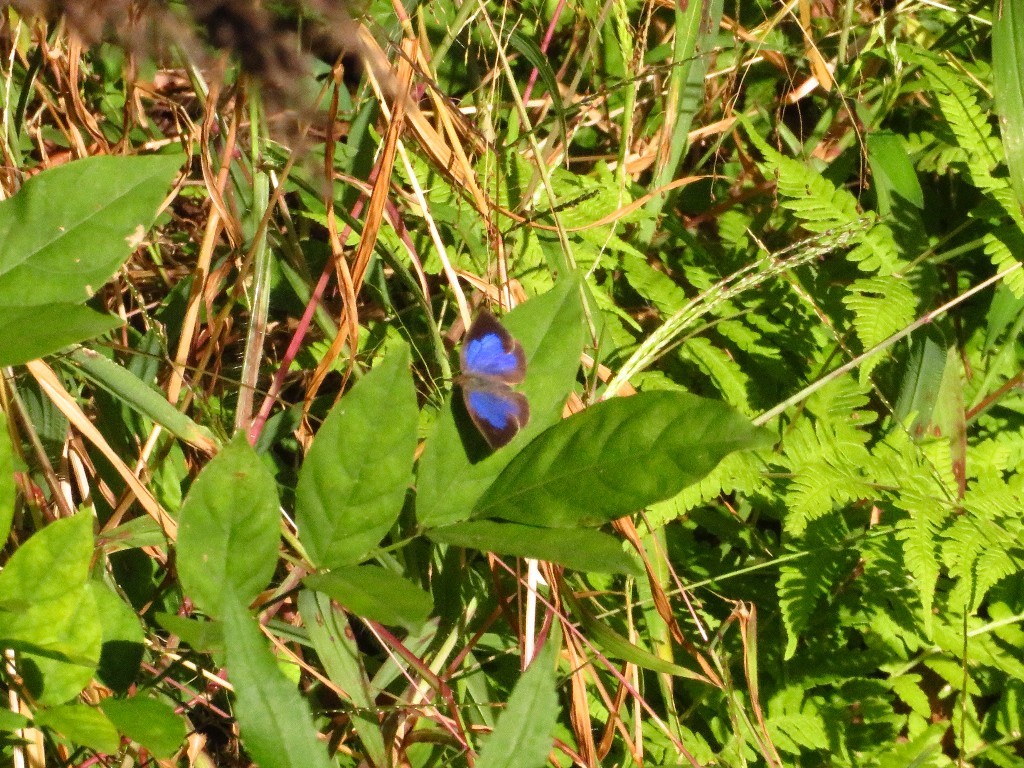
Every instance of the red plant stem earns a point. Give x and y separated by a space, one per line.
550 33
300 331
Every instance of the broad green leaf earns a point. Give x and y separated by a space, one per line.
355 478
229 529
61 642
7 487
69 229
30 332
895 180
523 736
551 330
204 636
584 549
82 726
274 720
47 612
375 593
950 419
57 249
151 723
897 189
1008 79
335 646
125 386
12 721
921 381
615 458
49 564
123 638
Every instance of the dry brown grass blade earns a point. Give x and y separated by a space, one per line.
819 68
371 228
451 122
201 272
216 181
67 405
579 710
615 723
429 139
74 95
662 604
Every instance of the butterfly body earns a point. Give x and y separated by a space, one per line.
492 361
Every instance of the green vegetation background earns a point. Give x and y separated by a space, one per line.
809 212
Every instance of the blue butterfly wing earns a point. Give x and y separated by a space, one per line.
498 412
490 351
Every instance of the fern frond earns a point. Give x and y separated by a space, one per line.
741 473
932 154
881 306
655 286
983 546
925 495
885 598
908 689
805 582
978 554
969 123
1001 246
983 649
727 374
816 491
792 732
827 454
820 206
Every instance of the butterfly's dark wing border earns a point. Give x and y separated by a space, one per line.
518 415
485 324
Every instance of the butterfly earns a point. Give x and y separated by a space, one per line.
491 362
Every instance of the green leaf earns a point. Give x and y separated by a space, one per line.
30 332
275 721
48 613
523 736
7 487
1008 80
12 721
151 723
123 639
375 593
229 529
550 328
354 480
584 550
615 458
71 227
895 180
48 565
58 249
335 645
61 641
921 381
203 636
125 386
135 534
806 583
81 725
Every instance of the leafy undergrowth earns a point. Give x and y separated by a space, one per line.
767 506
